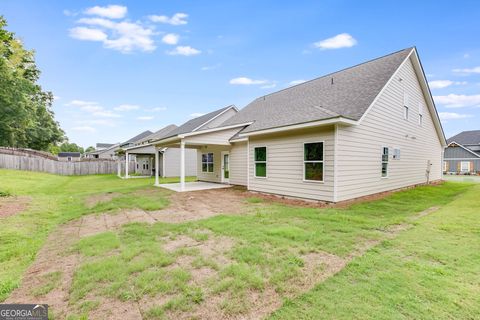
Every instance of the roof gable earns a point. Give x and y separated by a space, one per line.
199 122
347 93
139 137
160 134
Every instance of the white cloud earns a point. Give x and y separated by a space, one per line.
97 122
111 11
145 118
246 81
196 114
343 40
126 107
295 82
458 100
123 36
106 114
439 84
89 106
466 55
170 38
208 68
453 116
184 51
468 70
88 34
156 109
176 20
56 98
84 129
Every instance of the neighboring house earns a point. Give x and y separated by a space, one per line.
109 151
104 153
462 155
169 158
69 156
359 131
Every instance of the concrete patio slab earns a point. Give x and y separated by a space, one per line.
193 186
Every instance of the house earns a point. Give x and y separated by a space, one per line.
110 151
363 130
69 156
169 158
462 156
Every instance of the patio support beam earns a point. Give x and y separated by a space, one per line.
126 165
157 166
182 165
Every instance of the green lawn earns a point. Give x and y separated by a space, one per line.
55 200
431 270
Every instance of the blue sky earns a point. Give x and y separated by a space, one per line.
120 67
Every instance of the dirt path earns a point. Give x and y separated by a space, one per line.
10 206
57 258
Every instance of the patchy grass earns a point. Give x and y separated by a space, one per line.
50 281
254 200
269 253
4 194
55 200
431 271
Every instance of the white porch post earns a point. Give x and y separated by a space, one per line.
119 168
157 166
126 165
182 165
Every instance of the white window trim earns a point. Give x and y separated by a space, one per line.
461 166
255 163
207 162
315 161
445 166
387 162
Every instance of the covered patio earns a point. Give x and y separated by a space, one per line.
193 186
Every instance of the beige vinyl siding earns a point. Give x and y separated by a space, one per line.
359 148
215 175
285 166
218 137
219 120
172 162
238 164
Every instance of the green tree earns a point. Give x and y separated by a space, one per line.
89 149
26 118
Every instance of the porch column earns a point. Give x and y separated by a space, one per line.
182 166
126 165
157 165
119 168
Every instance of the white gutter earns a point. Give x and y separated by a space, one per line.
337 120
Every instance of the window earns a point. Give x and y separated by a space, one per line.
207 162
69 159
313 161
261 162
405 106
385 162
465 166
420 114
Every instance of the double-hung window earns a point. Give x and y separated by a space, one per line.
465 166
385 162
260 162
313 161
207 162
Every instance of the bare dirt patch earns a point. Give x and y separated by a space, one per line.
93 200
10 206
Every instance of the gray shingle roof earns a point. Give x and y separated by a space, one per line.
466 137
101 145
138 137
160 134
347 93
191 125
68 154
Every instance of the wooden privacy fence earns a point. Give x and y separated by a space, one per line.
20 160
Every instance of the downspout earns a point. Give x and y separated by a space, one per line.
335 151
248 163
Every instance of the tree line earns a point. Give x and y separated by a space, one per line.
26 116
